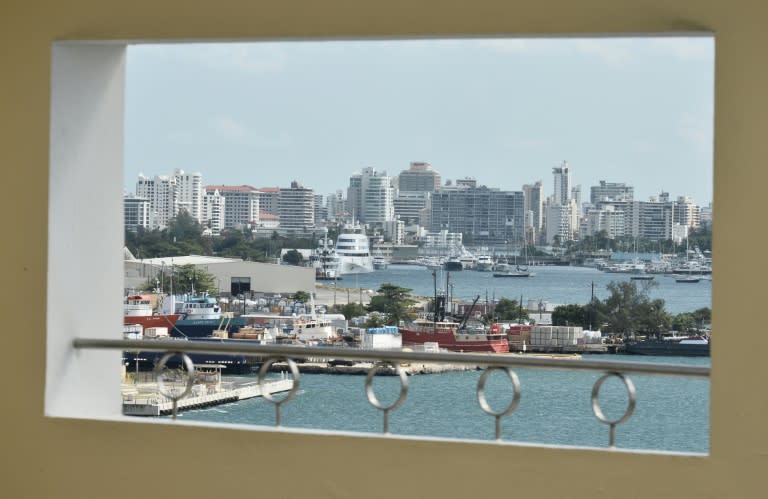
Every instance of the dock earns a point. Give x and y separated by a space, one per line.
144 399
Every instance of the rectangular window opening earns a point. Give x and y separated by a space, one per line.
232 165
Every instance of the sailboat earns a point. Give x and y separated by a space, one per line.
518 271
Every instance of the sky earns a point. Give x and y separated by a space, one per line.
502 111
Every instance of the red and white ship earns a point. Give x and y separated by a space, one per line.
137 309
451 336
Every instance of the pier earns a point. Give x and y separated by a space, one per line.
144 399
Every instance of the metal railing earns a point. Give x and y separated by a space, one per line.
392 360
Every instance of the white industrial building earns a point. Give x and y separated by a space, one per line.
231 275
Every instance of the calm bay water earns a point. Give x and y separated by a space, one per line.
672 414
552 284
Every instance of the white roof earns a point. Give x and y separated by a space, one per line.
188 260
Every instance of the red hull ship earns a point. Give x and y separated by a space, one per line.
450 336
138 310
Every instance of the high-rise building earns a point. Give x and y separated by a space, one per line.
269 199
420 177
160 191
136 212
377 197
489 216
370 197
610 191
189 193
296 208
214 210
562 177
241 205
411 206
336 205
533 195
686 212
355 197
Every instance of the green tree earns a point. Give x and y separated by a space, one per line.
185 278
683 322
301 296
702 316
351 310
293 257
374 320
392 300
570 315
508 310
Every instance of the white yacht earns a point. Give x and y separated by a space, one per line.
325 260
354 252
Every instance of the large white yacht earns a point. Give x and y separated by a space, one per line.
354 252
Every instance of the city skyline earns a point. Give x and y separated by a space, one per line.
504 112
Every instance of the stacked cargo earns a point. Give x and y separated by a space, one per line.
518 335
556 336
381 338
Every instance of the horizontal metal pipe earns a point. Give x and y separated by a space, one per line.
397 356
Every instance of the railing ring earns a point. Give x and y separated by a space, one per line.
484 402
294 388
174 395
599 413
372 396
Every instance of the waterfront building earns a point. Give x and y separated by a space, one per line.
377 197
652 220
136 213
489 216
533 198
419 177
607 219
561 222
214 209
296 208
686 212
241 206
355 197
410 206
321 210
335 205
610 191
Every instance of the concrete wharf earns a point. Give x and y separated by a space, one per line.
144 399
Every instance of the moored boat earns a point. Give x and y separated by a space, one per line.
353 250
696 346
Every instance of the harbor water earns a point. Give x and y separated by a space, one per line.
672 413
551 284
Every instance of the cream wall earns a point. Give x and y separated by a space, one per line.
62 458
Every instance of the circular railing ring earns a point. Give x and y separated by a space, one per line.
481 391
294 375
369 386
189 366
596 402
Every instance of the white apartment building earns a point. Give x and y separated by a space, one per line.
214 210
296 208
370 196
136 213
562 221
608 219
189 193
241 205
160 191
